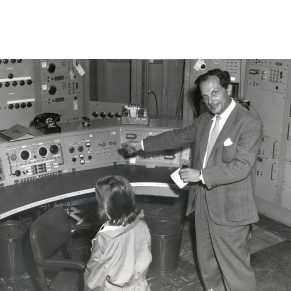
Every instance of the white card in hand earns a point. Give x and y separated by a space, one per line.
176 178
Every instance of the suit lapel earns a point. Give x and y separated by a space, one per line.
227 128
205 136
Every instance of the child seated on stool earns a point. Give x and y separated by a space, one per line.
121 249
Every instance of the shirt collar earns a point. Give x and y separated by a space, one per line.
226 113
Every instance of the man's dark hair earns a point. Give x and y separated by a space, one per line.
116 200
223 76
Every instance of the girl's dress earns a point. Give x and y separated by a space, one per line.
120 258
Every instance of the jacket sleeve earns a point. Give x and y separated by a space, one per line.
245 157
95 275
171 139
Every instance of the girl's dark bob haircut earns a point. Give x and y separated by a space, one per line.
116 200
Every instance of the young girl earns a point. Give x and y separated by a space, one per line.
121 249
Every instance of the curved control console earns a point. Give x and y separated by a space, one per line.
57 166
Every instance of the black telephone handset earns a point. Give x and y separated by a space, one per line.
47 122
46 119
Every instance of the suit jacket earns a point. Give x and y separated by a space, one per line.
230 172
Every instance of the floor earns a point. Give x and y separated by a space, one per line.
270 248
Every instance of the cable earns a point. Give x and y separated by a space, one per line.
149 92
180 101
179 105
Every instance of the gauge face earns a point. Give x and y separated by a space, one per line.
54 149
25 155
13 157
42 151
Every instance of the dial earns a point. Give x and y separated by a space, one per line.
14 83
71 150
54 149
29 82
21 83
80 148
25 155
42 151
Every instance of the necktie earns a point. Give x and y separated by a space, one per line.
213 137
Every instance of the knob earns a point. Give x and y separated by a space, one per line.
51 68
5 61
10 76
17 173
81 156
71 149
118 114
23 105
89 157
88 144
95 114
29 104
80 148
13 61
54 149
19 61
29 82
14 83
110 115
10 106
17 106
203 66
103 114
0 85
52 90
82 162
74 160
7 84
21 83
0 62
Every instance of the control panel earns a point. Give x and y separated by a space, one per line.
60 88
269 75
26 161
93 149
162 158
101 110
17 92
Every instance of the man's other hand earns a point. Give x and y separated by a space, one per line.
189 175
131 146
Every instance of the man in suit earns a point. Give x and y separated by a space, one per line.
225 144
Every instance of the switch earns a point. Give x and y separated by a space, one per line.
10 76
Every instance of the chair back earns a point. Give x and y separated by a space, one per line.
49 232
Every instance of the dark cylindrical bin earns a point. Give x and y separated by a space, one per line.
166 241
15 251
